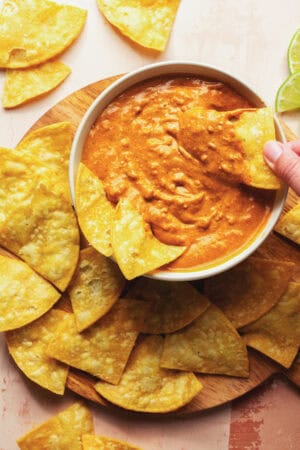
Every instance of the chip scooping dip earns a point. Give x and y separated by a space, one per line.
34 31
210 344
277 333
93 442
104 348
96 286
21 86
146 387
173 305
27 346
24 295
249 290
61 432
289 224
146 22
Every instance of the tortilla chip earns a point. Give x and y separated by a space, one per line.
289 224
135 248
103 349
36 223
27 346
173 305
146 387
61 432
96 286
93 442
24 295
147 23
249 290
94 210
277 333
235 139
22 86
210 344
33 31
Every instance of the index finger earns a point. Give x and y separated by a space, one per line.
295 146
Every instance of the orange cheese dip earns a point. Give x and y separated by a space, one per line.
133 148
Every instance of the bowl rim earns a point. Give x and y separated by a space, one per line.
174 68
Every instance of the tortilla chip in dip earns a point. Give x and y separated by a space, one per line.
289 224
96 286
135 248
146 387
249 290
24 295
34 31
235 141
93 442
23 85
61 432
210 344
277 333
146 22
27 346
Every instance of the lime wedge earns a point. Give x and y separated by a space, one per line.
294 53
288 95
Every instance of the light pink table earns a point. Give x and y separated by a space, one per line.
248 38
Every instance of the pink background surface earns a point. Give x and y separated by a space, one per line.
248 38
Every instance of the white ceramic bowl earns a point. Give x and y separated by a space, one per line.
187 68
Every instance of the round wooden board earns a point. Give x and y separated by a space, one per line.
217 390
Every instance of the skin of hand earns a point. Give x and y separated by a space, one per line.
284 160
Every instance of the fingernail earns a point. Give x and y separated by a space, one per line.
272 151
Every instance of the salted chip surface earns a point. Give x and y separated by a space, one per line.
229 144
33 31
145 386
135 248
148 23
61 432
96 286
173 304
94 210
27 346
37 223
289 224
93 442
24 295
23 85
277 333
210 344
249 290
104 348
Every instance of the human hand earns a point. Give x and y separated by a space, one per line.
284 160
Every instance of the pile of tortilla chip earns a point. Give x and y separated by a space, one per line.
48 29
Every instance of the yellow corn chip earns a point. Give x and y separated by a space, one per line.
135 248
27 346
93 442
33 31
37 223
103 349
24 295
230 144
61 432
289 224
146 387
146 22
173 305
249 290
94 210
23 85
277 333
96 286
210 344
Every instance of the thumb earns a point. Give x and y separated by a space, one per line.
284 162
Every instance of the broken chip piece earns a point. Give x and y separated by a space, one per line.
289 224
93 442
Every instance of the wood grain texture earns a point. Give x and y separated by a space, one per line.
217 390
